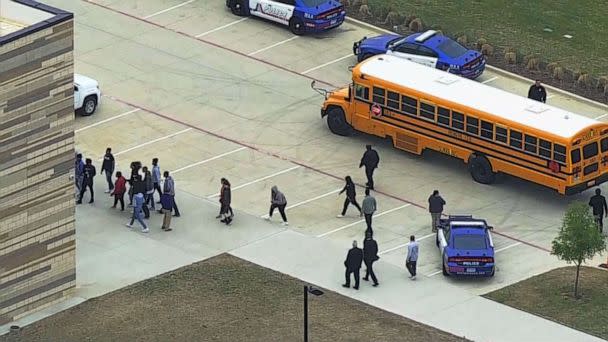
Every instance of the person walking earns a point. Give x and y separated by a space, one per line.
78 171
169 188
436 204
537 92
368 207
135 166
149 191
370 160
412 257
119 190
166 206
370 255
350 196
277 200
138 199
600 209
225 200
87 180
108 167
353 261
156 178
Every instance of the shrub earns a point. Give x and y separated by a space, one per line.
392 18
583 80
480 43
462 39
416 25
558 73
487 50
551 66
408 20
602 82
364 11
532 64
511 57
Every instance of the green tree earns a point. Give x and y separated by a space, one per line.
579 238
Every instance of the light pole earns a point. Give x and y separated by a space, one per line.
316 292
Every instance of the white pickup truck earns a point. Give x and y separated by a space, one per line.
86 95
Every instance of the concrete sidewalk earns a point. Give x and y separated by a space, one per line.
431 301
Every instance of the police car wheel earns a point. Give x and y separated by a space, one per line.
89 105
337 122
296 26
481 170
235 7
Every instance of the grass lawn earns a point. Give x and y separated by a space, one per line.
551 295
520 24
224 299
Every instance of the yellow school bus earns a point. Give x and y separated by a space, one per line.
491 130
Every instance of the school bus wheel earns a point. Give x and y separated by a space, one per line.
336 120
481 169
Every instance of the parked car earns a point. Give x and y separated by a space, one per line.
466 246
302 16
429 48
86 95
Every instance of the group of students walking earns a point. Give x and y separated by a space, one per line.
143 184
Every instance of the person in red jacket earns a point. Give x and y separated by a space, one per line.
120 188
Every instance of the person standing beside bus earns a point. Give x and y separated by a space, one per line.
350 196
598 203
370 160
436 204
537 92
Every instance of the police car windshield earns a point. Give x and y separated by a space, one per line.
452 48
470 242
313 3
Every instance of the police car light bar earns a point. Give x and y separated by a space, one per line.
426 35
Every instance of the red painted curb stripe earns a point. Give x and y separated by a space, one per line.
312 168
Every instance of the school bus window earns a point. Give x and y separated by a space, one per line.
393 100
604 144
427 111
472 125
515 140
530 144
487 129
361 92
458 121
559 153
379 95
575 155
501 134
590 150
409 105
443 116
544 148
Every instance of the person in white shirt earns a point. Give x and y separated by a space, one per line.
412 257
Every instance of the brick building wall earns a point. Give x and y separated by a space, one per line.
37 232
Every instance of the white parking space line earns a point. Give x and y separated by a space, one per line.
221 27
601 116
359 221
168 9
208 160
326 64
496 251
490 80
258 180
306 201
271 46
150 142
405 244
507 247
106 120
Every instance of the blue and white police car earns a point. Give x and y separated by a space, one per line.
302 16
429 48
466 246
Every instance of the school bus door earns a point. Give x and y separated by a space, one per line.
361 107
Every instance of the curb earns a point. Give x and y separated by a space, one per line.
493 68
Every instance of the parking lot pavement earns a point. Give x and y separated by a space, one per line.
208 110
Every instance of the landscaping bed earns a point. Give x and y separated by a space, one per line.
224 299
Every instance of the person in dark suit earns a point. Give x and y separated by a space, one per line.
370 255
600 209
537 92
353 261
370 160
